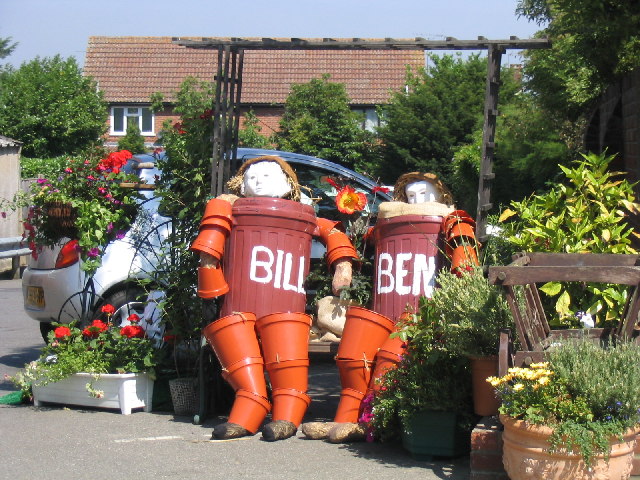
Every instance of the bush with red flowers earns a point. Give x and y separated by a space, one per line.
100 347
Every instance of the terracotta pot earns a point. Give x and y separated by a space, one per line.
526 456
289 374
249 410
485 400
247 374
364 332
211 282
233 338
284 336
349 406
289 404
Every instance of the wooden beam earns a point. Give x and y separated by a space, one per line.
417 43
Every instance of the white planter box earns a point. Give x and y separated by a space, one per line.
124 391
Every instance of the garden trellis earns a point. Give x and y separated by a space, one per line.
229 88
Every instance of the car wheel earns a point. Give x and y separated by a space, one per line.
125 302
45 328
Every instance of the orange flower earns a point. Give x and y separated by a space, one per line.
349 201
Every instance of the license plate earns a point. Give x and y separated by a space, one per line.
35 297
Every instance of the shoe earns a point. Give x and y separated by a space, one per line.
278 430
227 430
347 432
317 430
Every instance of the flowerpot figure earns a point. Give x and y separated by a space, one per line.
410 236
254 248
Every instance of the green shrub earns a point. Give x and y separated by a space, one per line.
587 213
133 140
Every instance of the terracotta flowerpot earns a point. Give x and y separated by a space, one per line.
233 338
249 410
365 331
349 406
292 373
525 455
284 336
289 404
485 400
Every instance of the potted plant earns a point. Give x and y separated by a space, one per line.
426 401
100 365
575 416
478 311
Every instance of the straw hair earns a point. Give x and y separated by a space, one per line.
235 183
400 195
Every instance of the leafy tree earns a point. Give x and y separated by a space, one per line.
249 136
443 107
133 140
318 121
49 106
593 43
529 148
6 47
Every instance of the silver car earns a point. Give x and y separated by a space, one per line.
55 289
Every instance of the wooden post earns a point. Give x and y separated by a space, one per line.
226 118
494 59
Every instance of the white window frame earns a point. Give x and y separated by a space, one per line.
131 111
371 121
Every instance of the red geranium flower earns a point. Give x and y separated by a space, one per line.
349 201
133 318
378 188
62 332
132 331
93 330
108 309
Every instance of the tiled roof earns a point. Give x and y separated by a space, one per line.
130 69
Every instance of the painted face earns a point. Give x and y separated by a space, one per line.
422 191
265 179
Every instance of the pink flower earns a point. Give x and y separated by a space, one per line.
93 253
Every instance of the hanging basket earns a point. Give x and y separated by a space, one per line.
60 220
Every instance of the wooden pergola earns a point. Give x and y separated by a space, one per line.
229 89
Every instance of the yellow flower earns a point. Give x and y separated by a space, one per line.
543 380
539 365
517 387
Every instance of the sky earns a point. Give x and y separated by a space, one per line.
45 28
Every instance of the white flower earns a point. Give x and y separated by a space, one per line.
586 319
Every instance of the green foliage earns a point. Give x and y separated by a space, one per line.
593 43
46 167
184 189
133 140
51 107
530 146
585 393
441 110
586 214
318 121
432 375
476 309
249 136
6 47
98 348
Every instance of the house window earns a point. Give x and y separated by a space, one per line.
123 116
370 120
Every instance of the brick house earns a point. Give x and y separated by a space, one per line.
130 69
